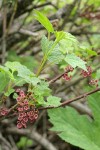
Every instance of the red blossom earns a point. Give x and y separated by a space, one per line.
25 112
86 73
19 125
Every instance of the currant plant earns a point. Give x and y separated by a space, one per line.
38 95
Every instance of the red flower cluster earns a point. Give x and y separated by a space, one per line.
25 112
69 68
4 111
66 76
86 73
94 82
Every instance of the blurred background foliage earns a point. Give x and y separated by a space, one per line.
20 36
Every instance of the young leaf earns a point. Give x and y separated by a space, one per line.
60 35
52 101
6 71
42 89
46 44
55 56
66 41
98 76
22 70
75 61
43 20
4 80
77 129
11 90
22 142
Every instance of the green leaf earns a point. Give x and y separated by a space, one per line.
77 129
43 20
23 72
42 89
24 141
52 101
10 91
4 80
28 61
32 80
98 76
91 52
67 42
7 72
54 54
60 35
46 44
19 81
75 61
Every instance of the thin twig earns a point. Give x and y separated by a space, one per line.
3 140
58 77
4 35
34 136
67 102
12 17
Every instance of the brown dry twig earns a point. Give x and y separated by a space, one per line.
33 135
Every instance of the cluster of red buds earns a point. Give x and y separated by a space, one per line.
94 82
86 73
26 113
91 15
65 75
4 111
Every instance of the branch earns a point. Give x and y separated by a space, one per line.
67 102
58 77
4 141
27 32
32 135
4 34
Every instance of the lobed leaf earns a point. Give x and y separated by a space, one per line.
75 61
78 129
54 54
52 101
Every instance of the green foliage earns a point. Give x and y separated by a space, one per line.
43 20
60 35
27 61
56 56
98 76
45 44
41 91
83 131
75 61
23 72
67 42
52 101
51 50
14 73
4 80
24 141
96 3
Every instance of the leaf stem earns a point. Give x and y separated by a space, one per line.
45 58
